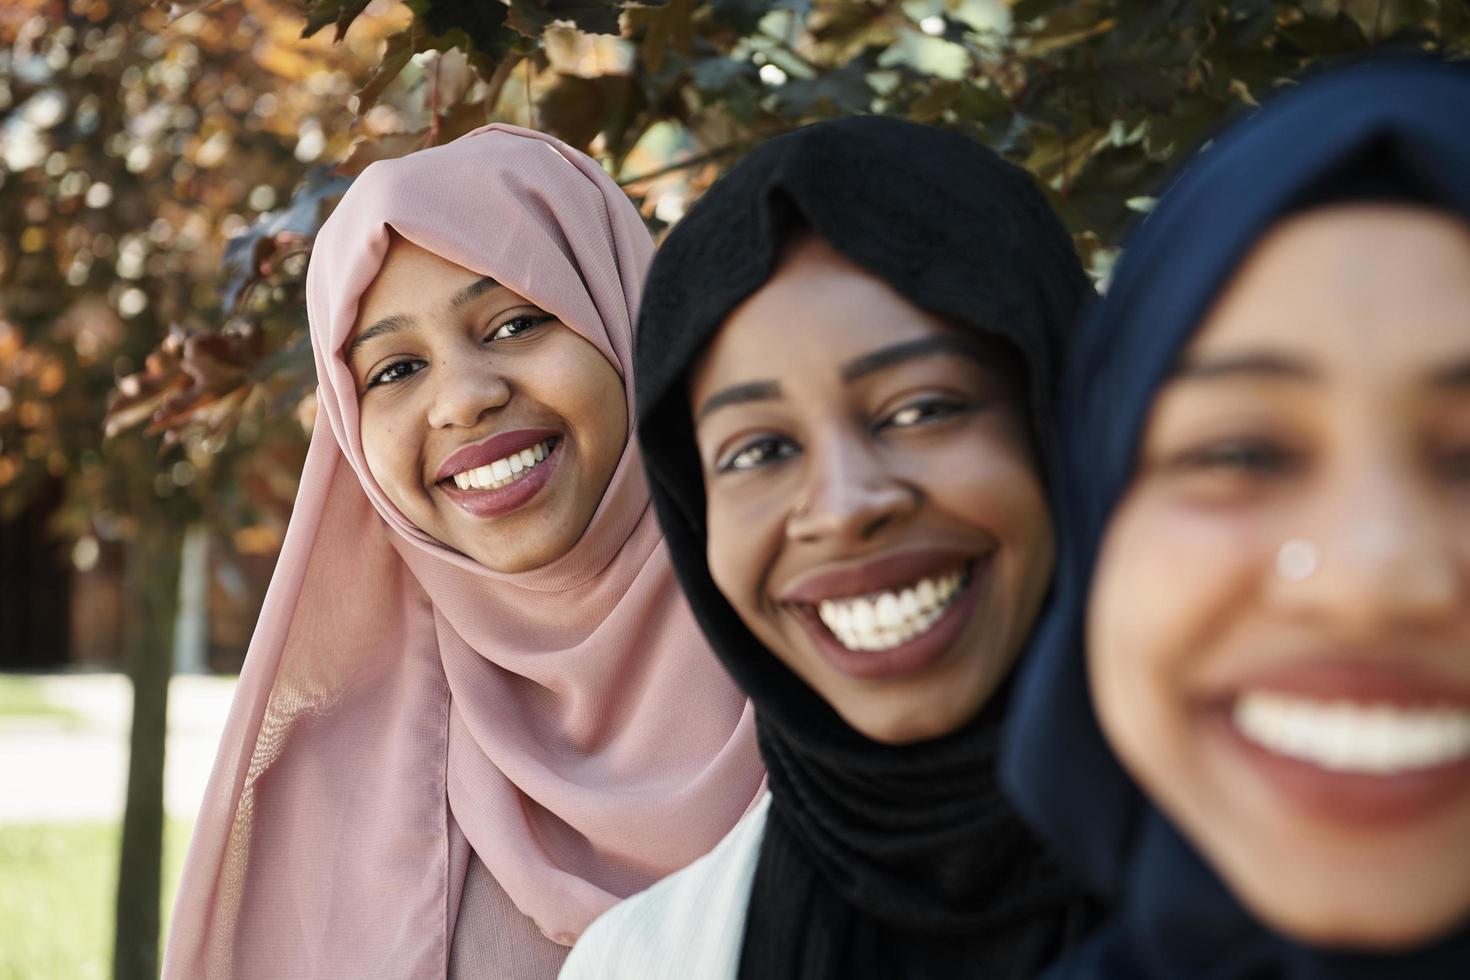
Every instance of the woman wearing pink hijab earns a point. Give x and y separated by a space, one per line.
476 711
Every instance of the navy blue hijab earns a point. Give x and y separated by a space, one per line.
1397 129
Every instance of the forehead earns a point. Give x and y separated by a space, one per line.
818 311
412 280
1360 285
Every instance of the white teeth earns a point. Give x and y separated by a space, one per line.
1344 736
886 619
889 615
503 472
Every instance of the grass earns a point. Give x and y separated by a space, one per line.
22 697
56 904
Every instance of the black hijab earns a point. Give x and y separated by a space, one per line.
878 860
1394 129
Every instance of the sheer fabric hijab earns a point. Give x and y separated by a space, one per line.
401 704
1396 129
878 860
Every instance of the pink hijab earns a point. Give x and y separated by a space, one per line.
401 704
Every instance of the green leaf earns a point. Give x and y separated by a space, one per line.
1173 134
320 13
400 49
472 25
1096 200
1025 11
740 16
719 74
844 91
930 106
1326 36
531 17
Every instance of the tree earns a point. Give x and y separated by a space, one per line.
134 145
1097 98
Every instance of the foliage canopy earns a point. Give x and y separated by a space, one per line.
196 119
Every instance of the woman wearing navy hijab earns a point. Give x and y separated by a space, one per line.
1247 718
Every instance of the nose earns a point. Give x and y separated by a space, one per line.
1384 556
463 390
850 494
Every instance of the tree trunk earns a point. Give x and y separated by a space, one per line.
152 589
191 623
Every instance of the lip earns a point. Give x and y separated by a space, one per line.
498 446
1350 800
912 655
1364 679
878 574
1344 798
503 500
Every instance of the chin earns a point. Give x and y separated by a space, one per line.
903 727
1385 927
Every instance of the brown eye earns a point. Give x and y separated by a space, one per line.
929 410
1454 463
395 372
760 452
1246 457
518 325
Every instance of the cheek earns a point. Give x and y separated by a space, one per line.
385 448
744 541
576 382
992 484
1170 585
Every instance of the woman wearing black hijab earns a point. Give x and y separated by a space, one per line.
1247 718
846 359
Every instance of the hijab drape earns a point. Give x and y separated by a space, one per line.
878 860
1397 128
401 704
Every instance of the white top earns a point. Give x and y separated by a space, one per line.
689 926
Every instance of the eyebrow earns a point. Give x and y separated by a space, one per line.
401 321
911 350
470 293
389 324
1257 365
752 391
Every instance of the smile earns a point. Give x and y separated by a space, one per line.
893 615
502 474
505 471
1378 739
885 619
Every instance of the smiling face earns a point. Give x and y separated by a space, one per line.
491 425
875 514
1279 632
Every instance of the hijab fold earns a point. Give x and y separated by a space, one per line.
402 706
877 860
1395 128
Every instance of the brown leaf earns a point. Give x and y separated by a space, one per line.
367 151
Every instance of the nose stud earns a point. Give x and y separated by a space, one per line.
1296 560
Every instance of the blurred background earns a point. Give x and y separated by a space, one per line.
163 169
